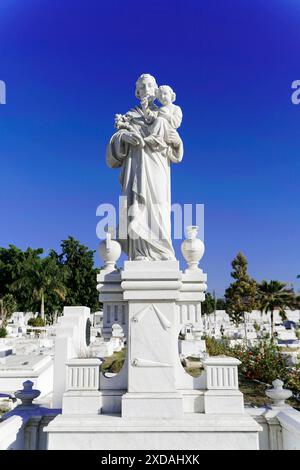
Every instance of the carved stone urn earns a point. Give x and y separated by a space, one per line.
110 251
278 394
192 248
27 394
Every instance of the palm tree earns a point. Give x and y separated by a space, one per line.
43 277
275 295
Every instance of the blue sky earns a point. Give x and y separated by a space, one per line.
70 66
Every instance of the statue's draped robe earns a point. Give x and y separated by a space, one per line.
145 181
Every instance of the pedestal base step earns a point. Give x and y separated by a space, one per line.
193 431
152 405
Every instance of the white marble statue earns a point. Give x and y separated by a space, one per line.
145 143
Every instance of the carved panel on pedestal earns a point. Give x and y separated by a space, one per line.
150 338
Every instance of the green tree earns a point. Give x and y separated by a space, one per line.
208 305
241 295
78 261
221 304
13 261
3 332
275 295
41 277
8 305
54 301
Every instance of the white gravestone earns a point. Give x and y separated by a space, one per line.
70 342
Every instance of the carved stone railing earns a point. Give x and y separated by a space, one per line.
82 394
221 373
83 374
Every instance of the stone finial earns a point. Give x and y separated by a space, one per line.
110 251
192 248
28 394
278 394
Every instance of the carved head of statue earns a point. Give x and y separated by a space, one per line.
146 86
165 95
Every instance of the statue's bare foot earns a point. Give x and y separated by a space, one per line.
141 258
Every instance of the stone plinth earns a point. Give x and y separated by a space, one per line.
82 394
114 306
151 289
222 395
193 431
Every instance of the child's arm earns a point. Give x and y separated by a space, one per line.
175 118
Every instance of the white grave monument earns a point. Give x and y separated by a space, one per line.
70 342
152 403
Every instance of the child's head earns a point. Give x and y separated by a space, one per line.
165 95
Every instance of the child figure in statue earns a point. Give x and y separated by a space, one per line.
163 122
169 111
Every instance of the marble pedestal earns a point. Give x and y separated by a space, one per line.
152 393
151 289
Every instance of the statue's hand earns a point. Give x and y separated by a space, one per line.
173 138
145 103
132 139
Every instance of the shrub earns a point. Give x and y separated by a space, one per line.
3 332
293 380
217 348
3 409
114 363
36 322
261 362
